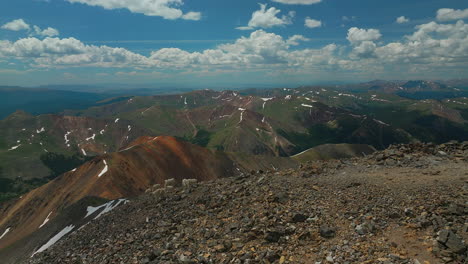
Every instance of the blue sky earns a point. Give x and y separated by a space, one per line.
230 43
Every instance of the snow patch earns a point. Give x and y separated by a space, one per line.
146 110
40 130
84 152
129 128
91 137
109 206
106 168
300 153
116 120
46 220
66 137
54 239
4 233
127 148
15 147
288 97
374 98
241 115
102 132
264 101
348 95
308 99
185 100
306 105
73 170
381 122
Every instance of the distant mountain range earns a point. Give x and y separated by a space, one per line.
272 122
119 147
418 89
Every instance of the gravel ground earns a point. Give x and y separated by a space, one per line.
407 204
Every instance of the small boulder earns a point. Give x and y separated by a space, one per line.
299 218
327 232
170 183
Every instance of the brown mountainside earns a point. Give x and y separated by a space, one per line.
126 173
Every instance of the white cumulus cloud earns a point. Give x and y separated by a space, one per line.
56 52
358 35
431 49
168 9
294 40
267 18
16 25
192 16
312 23
20 24
48 32
402 20
448 14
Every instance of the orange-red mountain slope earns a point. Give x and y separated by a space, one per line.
126 173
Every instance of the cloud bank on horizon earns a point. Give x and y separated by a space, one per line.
281 43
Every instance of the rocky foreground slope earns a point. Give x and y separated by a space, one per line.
407 204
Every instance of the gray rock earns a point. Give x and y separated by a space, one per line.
299 218
451 241
327 232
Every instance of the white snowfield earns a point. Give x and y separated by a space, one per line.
54 239
106 168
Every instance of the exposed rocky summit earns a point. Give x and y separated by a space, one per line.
406 204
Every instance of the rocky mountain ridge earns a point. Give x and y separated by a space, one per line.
406 204
123 174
